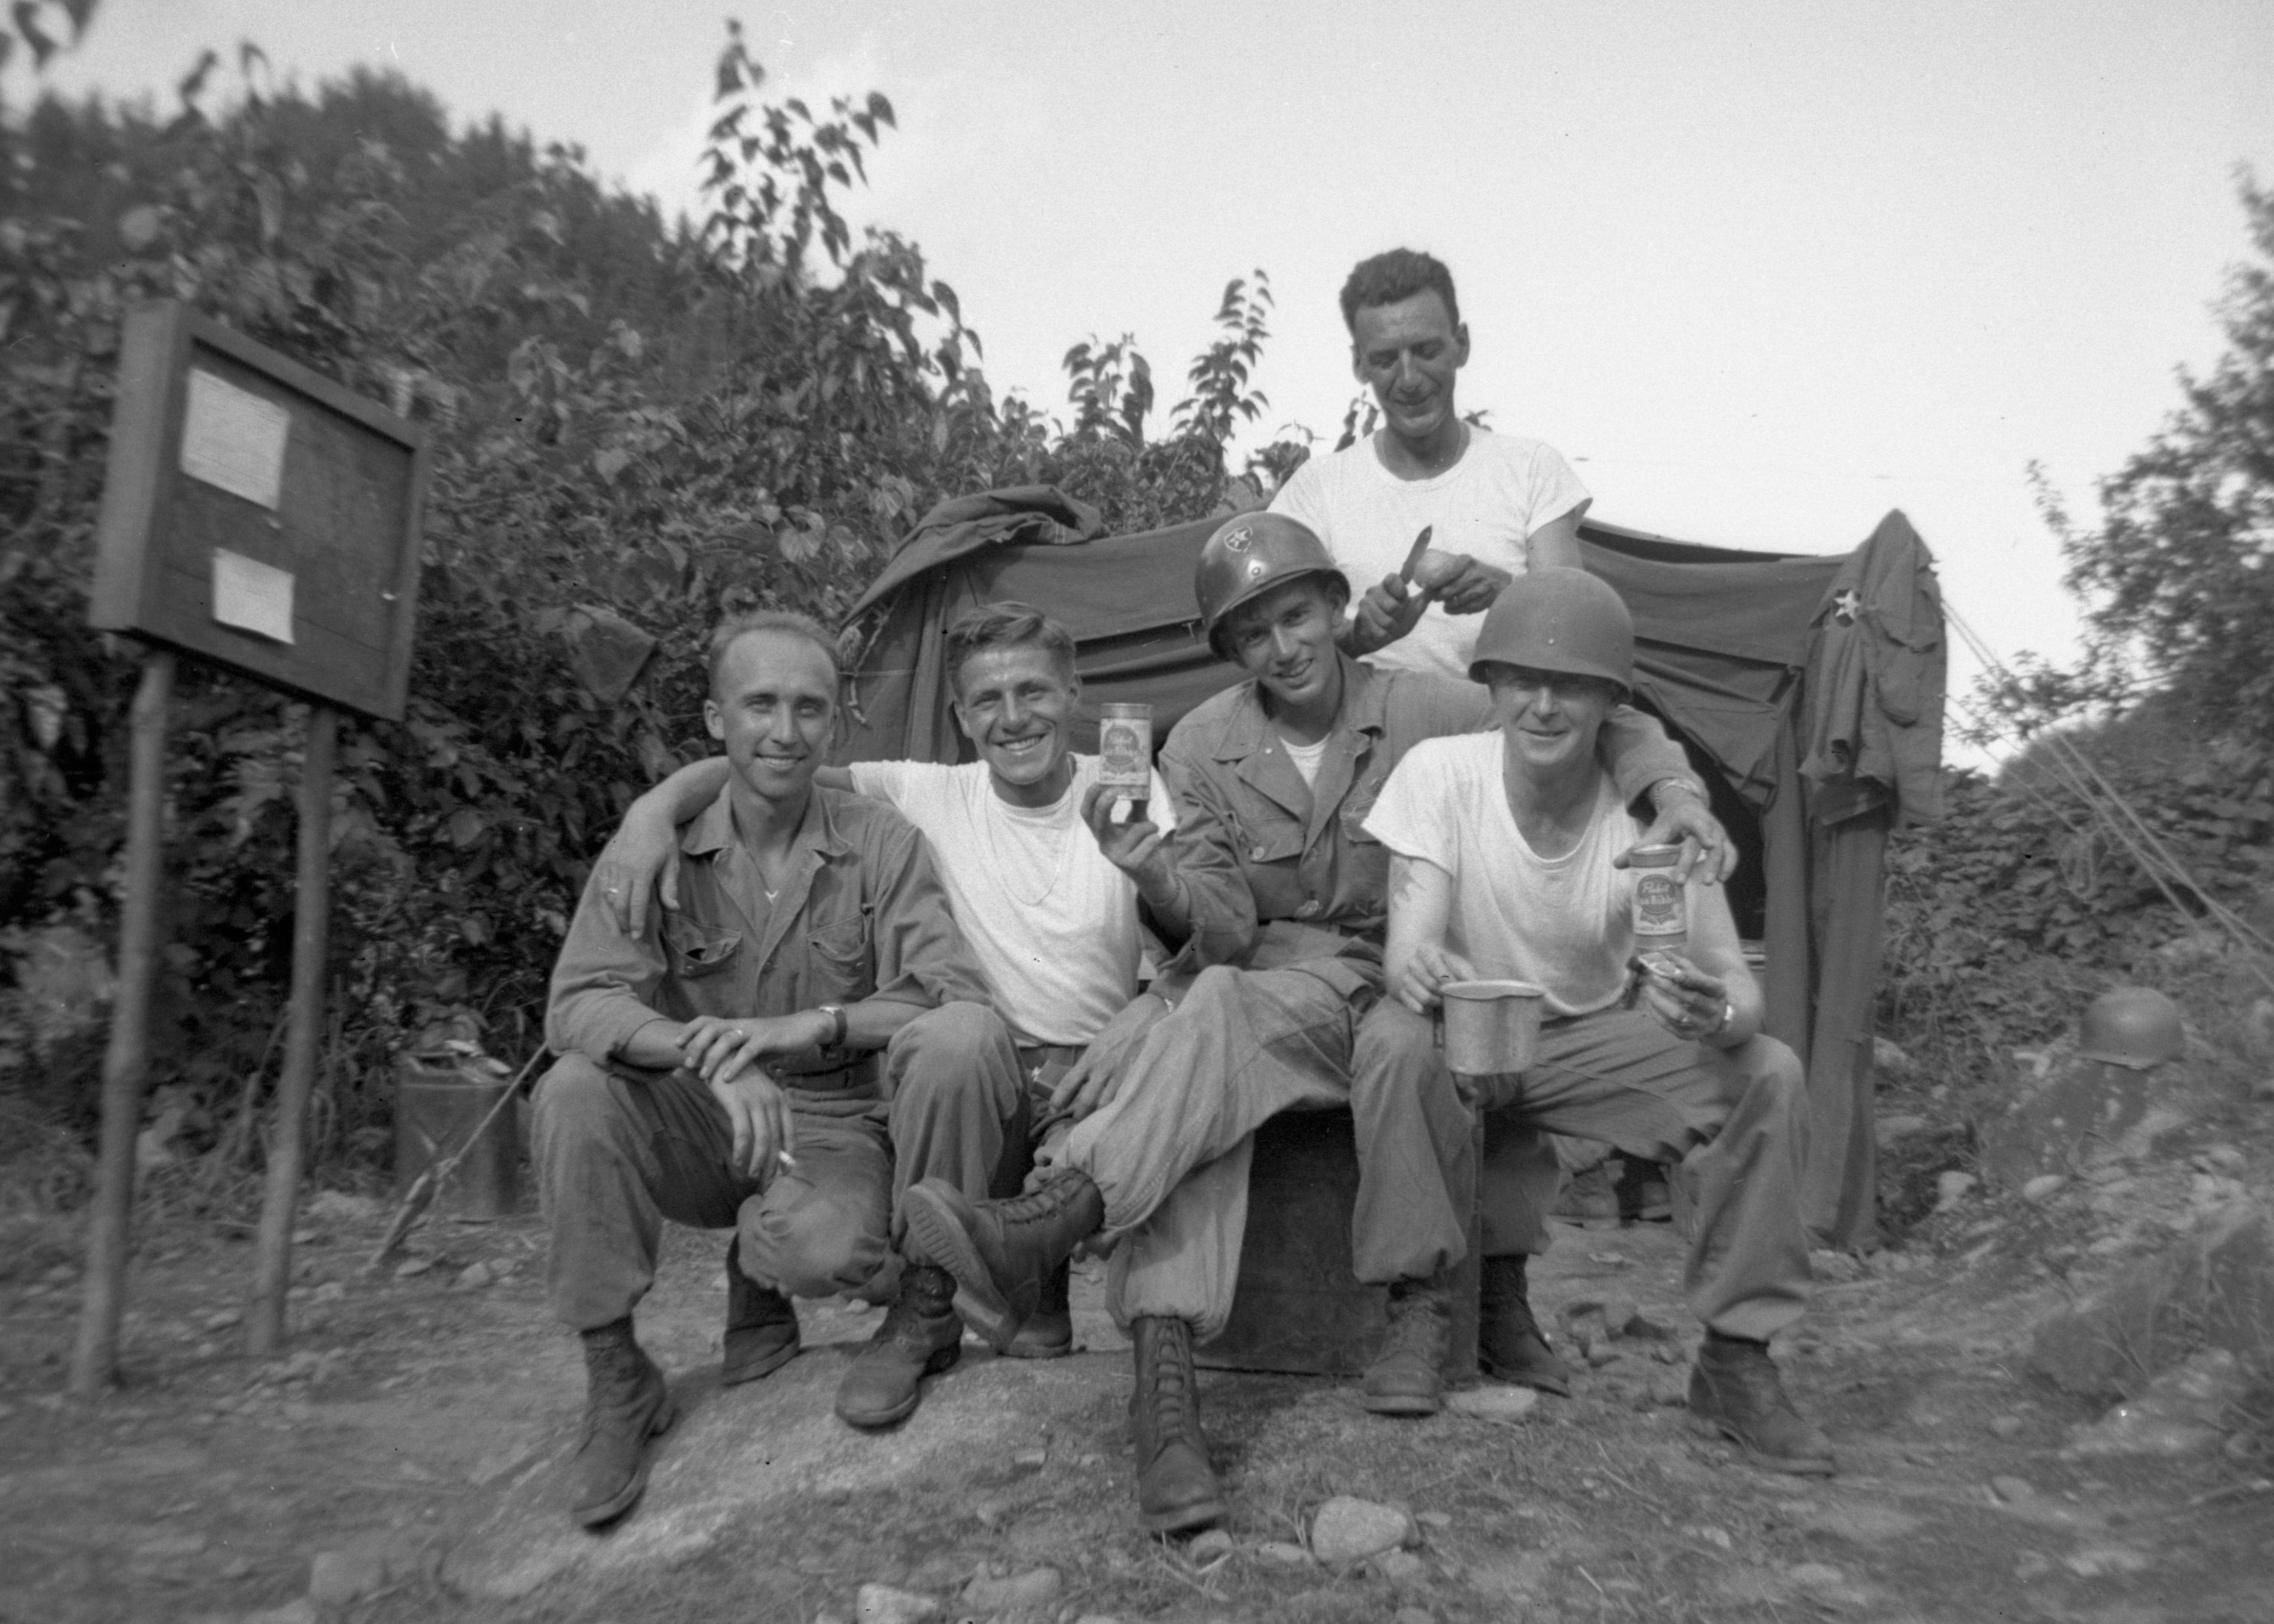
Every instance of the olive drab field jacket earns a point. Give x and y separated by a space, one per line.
861 915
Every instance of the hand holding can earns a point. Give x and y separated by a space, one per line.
1125 759
1661 903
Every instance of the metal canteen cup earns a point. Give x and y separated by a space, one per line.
1490 1027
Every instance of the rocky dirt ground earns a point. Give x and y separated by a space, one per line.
2093 1234
400 1464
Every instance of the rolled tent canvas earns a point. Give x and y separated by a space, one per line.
1808 689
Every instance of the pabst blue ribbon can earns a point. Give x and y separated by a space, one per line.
1662 909
1124 757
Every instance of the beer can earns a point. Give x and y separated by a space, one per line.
1125 758
1661 906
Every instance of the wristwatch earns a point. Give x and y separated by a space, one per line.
836 1013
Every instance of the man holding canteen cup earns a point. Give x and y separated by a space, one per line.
1509 912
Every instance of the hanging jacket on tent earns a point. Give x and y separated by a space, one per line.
1875 712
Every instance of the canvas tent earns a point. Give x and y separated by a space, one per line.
1808 689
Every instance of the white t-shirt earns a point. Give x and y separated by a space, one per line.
1566 923
1052 923
1487 505
1307 757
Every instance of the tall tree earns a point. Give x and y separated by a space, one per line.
2179 575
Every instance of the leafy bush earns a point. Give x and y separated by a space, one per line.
661 423
2007 918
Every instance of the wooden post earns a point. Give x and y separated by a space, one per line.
126 1062
271 1264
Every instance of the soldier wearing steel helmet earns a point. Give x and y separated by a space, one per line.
1274 778
1503 866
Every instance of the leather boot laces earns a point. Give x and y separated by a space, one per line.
1415 1323
1173 1411
1040 1205
925 1294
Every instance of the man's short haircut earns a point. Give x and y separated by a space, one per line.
1007 625
1388 278
789 621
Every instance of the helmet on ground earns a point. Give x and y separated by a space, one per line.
1558 618
2134 1026
1248 556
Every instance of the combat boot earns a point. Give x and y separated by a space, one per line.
1048 1331
920 1337
1175 1486
761 1326
1511 1345
1735 1390
626 1404
1001 1252
1407 1377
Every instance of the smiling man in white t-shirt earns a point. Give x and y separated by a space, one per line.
1495 505
1503 850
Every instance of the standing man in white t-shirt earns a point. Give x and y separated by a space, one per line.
1048 891
1495 505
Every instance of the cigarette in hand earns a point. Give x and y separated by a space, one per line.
787 1160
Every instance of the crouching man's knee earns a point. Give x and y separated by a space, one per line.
1397 1036
1764 1082
816 1244
577 1105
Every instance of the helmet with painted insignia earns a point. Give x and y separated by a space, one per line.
1248 556
1561 620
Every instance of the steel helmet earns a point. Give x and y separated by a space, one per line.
1248 556
2134 1026
1558 618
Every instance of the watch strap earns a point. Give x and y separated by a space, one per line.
836 1013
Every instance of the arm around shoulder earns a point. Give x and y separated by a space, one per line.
1635 750
1555 545
598 1003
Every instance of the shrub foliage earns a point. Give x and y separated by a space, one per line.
663 421
2007 918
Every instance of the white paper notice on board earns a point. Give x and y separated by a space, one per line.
233 439
252 596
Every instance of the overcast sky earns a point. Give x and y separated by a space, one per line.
1762 271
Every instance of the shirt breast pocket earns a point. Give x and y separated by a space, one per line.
842 961
696 949
1264 843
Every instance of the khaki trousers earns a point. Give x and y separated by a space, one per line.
619 1150
1734 1121
1170 1153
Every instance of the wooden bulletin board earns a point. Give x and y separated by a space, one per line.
258 515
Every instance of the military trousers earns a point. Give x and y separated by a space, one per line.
620 1149
1733 1122
1170 1153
